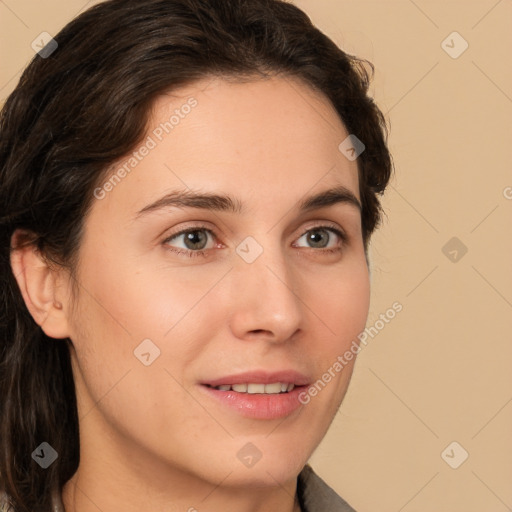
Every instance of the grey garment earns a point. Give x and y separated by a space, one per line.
313 493
316 496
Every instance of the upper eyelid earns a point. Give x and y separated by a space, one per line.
190 229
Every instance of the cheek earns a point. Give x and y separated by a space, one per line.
123 302
342 305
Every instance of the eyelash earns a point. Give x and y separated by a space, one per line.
204 253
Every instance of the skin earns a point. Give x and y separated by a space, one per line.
150 438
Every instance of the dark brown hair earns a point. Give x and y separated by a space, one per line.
76 112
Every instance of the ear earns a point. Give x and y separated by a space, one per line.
43 288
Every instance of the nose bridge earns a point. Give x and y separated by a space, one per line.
264 291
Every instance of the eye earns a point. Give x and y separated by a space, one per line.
194 241
319 237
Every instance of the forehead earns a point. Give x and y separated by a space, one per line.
262 139
280 114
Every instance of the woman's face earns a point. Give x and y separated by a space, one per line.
260 290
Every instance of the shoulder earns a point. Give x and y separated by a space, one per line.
316 496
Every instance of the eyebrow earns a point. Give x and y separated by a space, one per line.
225 203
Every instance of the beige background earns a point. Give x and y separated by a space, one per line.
440 371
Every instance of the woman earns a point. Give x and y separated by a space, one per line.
188 189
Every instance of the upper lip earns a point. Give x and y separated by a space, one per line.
260 377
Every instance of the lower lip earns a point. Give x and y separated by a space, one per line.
258 405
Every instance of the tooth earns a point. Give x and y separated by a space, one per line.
255 388
273 388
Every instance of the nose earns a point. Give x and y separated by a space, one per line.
265 299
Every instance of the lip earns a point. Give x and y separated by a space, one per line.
258 406
260 377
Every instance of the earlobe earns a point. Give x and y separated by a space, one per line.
39 286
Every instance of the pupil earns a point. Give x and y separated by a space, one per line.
313 237
193 238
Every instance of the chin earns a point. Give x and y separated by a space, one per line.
276 466
273 473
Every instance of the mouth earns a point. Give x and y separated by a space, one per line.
258 395
274 388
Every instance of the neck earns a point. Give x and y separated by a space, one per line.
124 477
83 494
